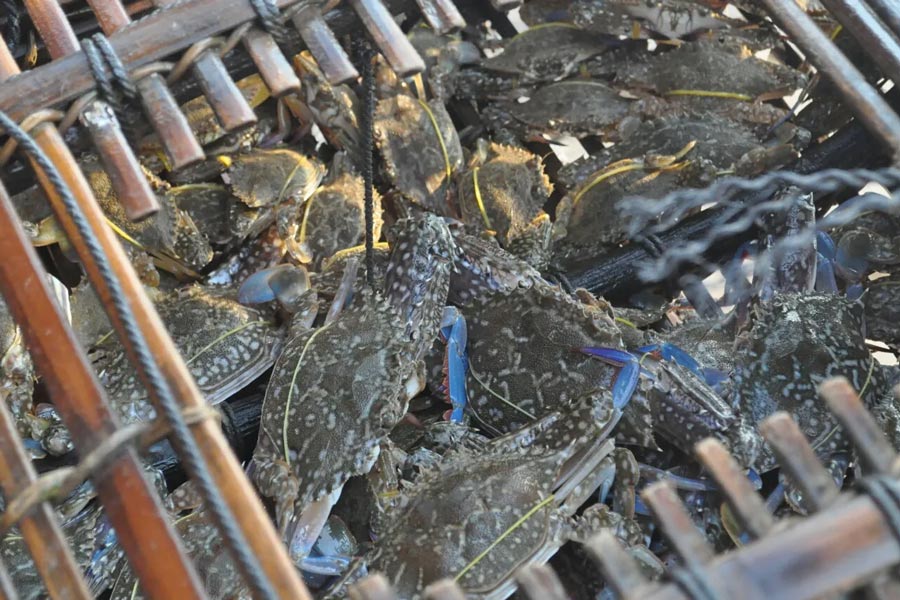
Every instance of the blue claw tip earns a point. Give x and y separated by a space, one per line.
673 353
825 245
613 356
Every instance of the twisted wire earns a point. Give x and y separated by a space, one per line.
181 435
367 123
738 217
666 211
270 17
116 89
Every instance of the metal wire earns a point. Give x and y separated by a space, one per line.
117 90
884 493
738 216
181 435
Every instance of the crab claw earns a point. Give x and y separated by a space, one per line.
851 259
453 332
673 353
304 528
285 283
627 378
825 279
847 260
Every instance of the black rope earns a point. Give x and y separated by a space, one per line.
270 17
365 55
115 88
148 367
693 583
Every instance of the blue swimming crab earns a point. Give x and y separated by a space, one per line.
339 389
478 516
278 179
503 193
420 147
670 18
225 345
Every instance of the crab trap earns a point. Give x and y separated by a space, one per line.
383 299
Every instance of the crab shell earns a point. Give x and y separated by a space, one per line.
225 345
479 516
523 354
420 145
797 341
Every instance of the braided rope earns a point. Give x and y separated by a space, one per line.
365 54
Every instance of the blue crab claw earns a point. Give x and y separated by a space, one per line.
304 529
852 257
825 279
714 377
755 479
855 291
285 283
456 363
627 378
846 260
673 353
825 245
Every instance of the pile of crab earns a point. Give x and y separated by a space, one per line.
436 407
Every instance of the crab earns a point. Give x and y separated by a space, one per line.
17 373
90 536
444 55
881 311
579 108
479 516
262 252
333 108
170 234
337 390
225 345
221 218
669 18
279 179
657 157
797 341
333 218
721 64
204 545
205 126
548 53
39 424
504 193
420 147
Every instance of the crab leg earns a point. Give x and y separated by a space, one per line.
629 373
456 364
345 290
305 528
